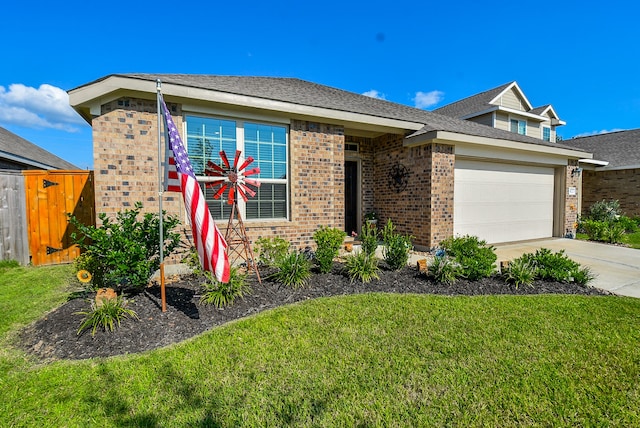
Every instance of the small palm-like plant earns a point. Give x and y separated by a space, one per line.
520 272
362 266
107 315
222 294
293 270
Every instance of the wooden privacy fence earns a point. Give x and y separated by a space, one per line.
14 244
50 196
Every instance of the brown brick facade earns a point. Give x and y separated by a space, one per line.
622 185
571 202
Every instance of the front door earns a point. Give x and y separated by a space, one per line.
351 197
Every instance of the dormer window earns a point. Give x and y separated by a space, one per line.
546 133
519 126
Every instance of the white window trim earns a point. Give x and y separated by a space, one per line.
240 121
518 127
542 128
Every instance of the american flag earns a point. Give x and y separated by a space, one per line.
209 241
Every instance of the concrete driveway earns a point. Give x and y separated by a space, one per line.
617 269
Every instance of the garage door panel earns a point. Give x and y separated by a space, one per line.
503 202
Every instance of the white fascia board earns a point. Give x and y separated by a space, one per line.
115 86
594 162
617 168
508 88
523 113
485 143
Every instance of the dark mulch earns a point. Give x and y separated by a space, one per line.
55 336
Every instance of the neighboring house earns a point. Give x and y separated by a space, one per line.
328 157
16 153
619 179
506 107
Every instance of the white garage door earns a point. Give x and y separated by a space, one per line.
503 202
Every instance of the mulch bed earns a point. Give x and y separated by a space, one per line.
55 336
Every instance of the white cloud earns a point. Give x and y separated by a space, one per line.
43 107
374 94
428 99
603 131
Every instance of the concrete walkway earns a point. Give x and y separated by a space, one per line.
617 269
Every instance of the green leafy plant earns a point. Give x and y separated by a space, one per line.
629 224
125 251
328 241
444 270
553 266
396 247
271 250
604 210
293 270
369 238
476 258
610 231
583 275
362 266
222 294
521 271
107 316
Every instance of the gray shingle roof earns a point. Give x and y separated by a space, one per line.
621 149
472 104
19 150
301 92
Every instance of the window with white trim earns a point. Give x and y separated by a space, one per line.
519 126
546 133
265 143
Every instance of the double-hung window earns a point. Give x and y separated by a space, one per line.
546 133
265 143
519 126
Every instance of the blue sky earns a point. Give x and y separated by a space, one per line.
580 56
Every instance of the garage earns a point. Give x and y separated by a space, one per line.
503 202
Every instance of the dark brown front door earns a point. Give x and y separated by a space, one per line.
351 197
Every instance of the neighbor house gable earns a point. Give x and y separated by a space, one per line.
20 154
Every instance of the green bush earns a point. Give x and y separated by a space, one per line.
583 275
369 239
476 258
396 247
553 266
629 224
604 210
362 266
293 270
124 253
604 231
271 250
328 241
222 294
108 315
444 270
521 271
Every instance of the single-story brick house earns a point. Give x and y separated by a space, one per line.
618 178
330 156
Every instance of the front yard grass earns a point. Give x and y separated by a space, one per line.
630 239
360 360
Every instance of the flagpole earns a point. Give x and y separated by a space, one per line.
160 195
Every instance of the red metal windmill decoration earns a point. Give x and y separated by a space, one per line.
234 179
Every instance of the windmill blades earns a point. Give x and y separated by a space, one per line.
242 194
232 195
252 171
246 163
223 156
216 167
252 182
245 189
220 191
235 160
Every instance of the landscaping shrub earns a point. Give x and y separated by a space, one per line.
521 271
604 210
362 266
476 258
611 231
271 250
293 270
222 294
328 241
444 270
629 224
369 238
124 253
107 316
555 266
396 247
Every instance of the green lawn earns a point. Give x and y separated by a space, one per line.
366 360
630 239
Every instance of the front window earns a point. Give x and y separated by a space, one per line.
266 143
546 133
519 126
